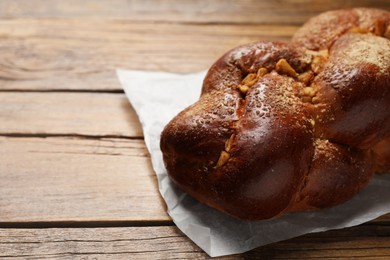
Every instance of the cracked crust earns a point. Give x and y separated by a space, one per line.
282 128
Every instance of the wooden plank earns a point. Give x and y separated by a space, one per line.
93 114
216 11
167 242
114 243
361 242
53 54
384 218
72 179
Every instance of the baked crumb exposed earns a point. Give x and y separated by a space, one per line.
243 89
318 63
358 30
306 94
225 155
261 72
250 80
284 68
306 77
223 158
229 143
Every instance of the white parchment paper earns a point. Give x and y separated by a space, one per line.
157 97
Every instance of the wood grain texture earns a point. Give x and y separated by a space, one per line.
74 54
362 242
72 179
200 11
90 114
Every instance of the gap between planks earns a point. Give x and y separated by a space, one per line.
85 224
108 91
73 136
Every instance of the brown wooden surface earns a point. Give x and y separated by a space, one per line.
90 114
176 11
76 180
167 242
82 54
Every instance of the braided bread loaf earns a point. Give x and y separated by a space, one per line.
284 127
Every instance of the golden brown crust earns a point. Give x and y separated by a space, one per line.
336 172
321 31
353 91
289 127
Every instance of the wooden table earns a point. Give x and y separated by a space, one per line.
75 177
